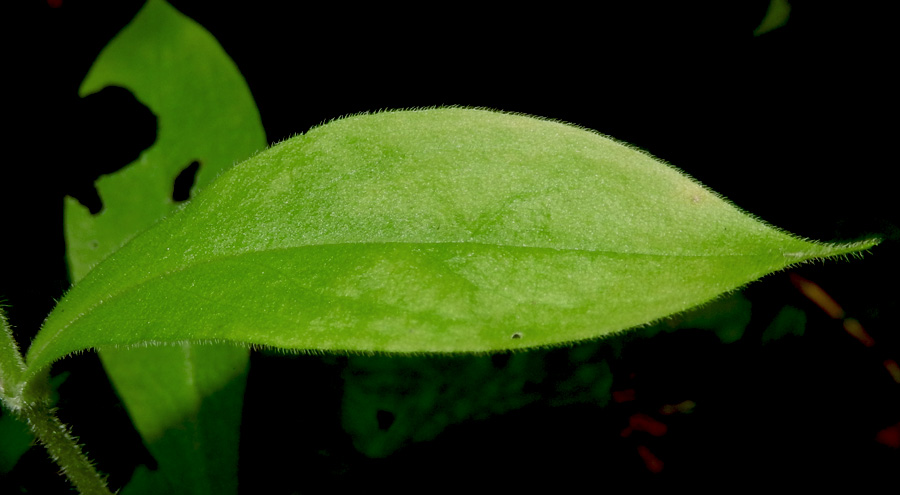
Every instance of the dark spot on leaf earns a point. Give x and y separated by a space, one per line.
184 182
385 419
94 244
517 335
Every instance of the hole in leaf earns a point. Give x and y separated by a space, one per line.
109 129
385 419
517 335
184 182
86 194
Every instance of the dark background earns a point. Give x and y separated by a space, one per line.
795 126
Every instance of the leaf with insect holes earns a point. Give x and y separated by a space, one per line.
185 401
441 230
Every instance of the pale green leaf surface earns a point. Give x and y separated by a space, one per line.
205 113
444 230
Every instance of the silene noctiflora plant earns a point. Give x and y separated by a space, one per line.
427 231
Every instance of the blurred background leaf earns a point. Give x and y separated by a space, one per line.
184 400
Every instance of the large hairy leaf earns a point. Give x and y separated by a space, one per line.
185 400
444 230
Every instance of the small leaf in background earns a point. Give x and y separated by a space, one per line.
727 317
788 321
185 400
389 402
17 439
776 16
421 396
392 401
442 230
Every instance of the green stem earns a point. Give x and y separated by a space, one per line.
12 366
29 402
65 450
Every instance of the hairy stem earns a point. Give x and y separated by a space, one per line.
29 401
12 366
64 449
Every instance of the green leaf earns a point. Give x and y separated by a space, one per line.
205 113
788 321
185 400
17 439
443 230
777 15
